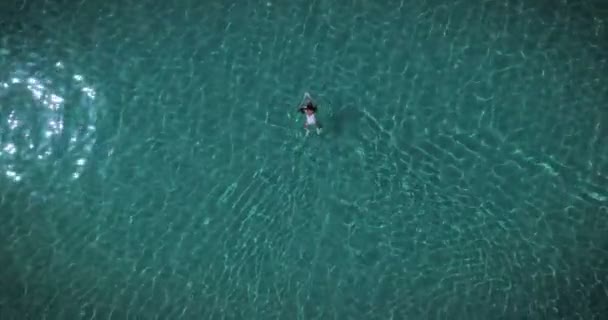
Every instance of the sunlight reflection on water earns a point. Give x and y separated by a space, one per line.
45 116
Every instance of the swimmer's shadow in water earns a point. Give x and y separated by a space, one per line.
344 119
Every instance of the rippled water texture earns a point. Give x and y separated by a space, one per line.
153 164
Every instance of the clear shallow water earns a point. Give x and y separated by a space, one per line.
155 167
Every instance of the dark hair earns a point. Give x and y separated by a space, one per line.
309 106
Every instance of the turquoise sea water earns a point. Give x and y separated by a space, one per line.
154 165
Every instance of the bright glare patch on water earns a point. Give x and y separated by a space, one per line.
56 126
35 121
598 196
13 175
10 148
35 87
89 91
55 99
13 122
44 155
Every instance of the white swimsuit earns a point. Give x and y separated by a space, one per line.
310 119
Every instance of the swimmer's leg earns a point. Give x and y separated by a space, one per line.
319 128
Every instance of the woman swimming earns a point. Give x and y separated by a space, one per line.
309 108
